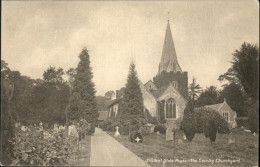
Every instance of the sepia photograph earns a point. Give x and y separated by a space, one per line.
128 83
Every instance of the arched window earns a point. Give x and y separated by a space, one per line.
170 109
225 115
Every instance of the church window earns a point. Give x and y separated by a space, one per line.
170 109
174 83
225 115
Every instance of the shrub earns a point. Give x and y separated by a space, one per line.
242 121
203 114
189 123
43 148
134 135
253 123
145 130
212 130
160 128
124 130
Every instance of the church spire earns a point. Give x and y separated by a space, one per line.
169 60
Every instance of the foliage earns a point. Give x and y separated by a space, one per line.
43 148
242 121
7 128
194 91
133 135
83 92
245 69
189 122
161 128
109 94
145 130
253 118
150 118
102 103
208 96
235 97
204 115
132 103
212 130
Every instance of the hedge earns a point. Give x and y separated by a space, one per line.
161 128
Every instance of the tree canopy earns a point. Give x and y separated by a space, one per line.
132 111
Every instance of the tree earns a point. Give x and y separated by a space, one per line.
208 96
245 69
235 97
132 103
82 101
189 122
7 128
109 94
194 91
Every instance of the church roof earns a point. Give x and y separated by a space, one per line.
169 60
214 106
157 93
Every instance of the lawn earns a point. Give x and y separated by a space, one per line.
200 151
83 157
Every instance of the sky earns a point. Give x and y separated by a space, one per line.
38 34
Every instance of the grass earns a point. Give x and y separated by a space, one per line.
83 158
156 148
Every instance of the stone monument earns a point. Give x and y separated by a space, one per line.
117 133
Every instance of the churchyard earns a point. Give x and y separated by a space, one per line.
156 151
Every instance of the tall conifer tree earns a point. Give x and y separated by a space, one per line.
82 101
132 104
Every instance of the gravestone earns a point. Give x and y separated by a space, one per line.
184 137
234 125
56 127
231 138
179 141
169 133
152 128
72 131
117 133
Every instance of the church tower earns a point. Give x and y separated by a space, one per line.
169 69
169 60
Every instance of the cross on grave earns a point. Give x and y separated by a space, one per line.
137 139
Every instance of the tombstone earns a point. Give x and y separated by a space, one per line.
231 139
254 134
56 127
180 141
184 137
23 128
169 134
72 131
158 132
249 131
61 127
242 127
234 125
117 133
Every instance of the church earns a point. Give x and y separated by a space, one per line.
165 97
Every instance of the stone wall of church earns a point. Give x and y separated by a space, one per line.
180 77
149 101
180 101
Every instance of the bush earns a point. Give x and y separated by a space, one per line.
253 123
124 130
189 123
145 130
203 114
134 135
43 148
242 121
160 128
212 130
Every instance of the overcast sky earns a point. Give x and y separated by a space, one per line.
36 35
